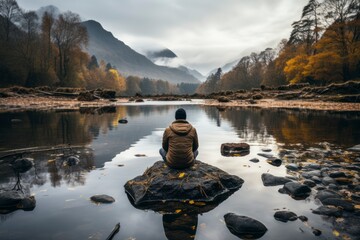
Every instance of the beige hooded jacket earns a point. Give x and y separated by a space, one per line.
180 140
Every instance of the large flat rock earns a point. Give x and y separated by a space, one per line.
201 183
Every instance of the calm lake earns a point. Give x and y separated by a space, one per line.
107 152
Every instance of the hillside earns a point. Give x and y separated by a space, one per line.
105 46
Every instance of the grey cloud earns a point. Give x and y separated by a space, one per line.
204 33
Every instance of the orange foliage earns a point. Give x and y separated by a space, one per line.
294 69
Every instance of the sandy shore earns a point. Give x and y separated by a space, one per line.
62 103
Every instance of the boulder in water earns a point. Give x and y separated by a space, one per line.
244 227
200 187
235 149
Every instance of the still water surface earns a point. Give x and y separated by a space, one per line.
107 152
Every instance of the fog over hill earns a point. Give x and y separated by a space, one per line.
105 46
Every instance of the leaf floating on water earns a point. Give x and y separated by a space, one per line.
51 160
181 175
336 233
339 220
200 203
357 206
191 202
178 211
346 237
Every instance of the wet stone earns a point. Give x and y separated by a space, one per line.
266 155
266 150
161 183
309 183
296 190
102 199
346 205
312 166
316 173
328 211
337 174
328 180
271 180
316 179
235 149
244 227
303 218
343 180
16 200
285 216
333 186
254 160
274 161
293 167
316 232
324 194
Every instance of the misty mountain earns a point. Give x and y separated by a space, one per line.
166 57
164 53
105 46
226 68
193 72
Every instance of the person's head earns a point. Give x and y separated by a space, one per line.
180 114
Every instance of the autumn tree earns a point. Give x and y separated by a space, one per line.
69 36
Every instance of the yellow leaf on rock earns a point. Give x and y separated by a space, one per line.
200 203
191 202
357 206
51 160
336 233
181 175
178 211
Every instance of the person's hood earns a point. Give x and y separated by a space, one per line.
181 127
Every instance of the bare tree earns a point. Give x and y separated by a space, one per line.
10 11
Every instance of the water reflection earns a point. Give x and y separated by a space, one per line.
180 226
62 191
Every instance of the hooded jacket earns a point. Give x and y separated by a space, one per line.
180 140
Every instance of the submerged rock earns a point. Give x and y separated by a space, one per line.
235 149
274 161
328 211
71 161
201 184
285 216
271 180
346 205
102 199
296 190
244 227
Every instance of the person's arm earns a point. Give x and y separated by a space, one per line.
195 141
165 141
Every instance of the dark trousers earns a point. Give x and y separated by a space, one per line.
163 154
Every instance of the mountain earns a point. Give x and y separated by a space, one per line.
164 53
105 46
166 57
193 72
226 68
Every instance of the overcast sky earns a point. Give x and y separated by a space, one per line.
205 34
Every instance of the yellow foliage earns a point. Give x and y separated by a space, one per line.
294 69
181 175
325 66
178 211
336 233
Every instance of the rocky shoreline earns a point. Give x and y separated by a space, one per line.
335 97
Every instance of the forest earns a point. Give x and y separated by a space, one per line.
48 50
323 48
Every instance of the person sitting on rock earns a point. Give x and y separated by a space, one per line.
180 142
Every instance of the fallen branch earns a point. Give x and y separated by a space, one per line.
114 231
21 151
